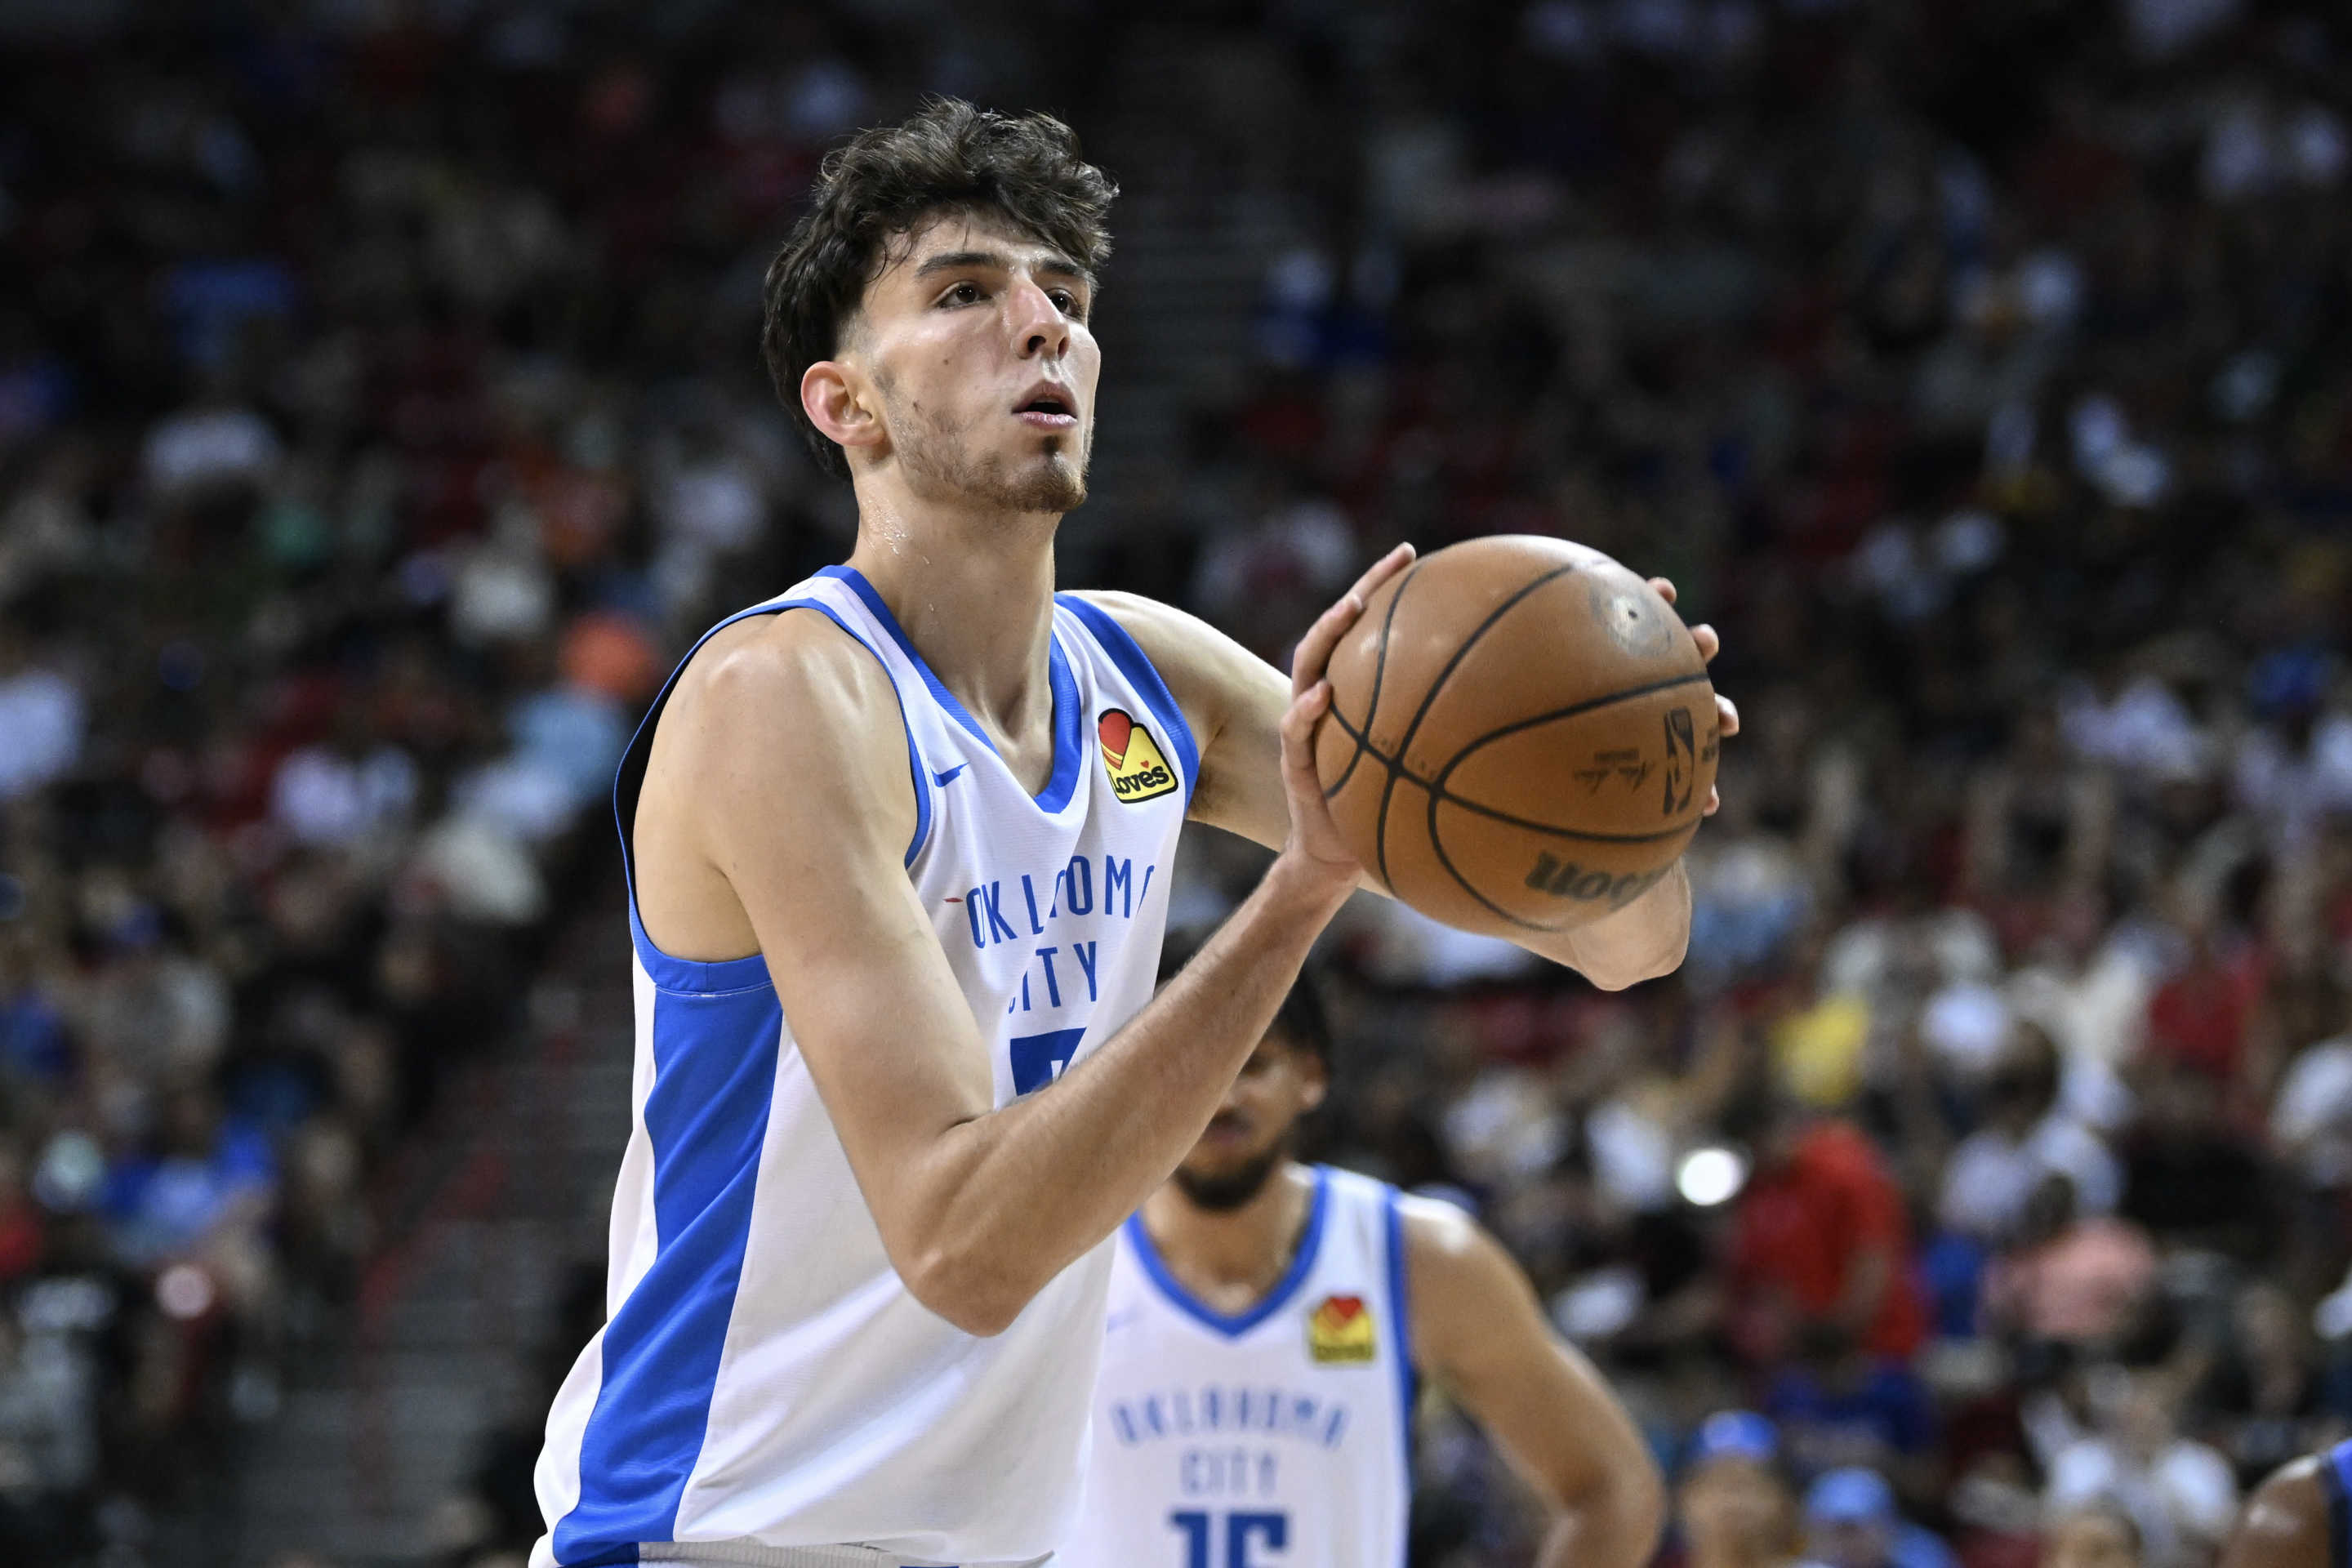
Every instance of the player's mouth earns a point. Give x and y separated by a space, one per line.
1048 406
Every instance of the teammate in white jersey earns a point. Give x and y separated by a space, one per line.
899 846
1268 1322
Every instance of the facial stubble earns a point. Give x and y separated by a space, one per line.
1222 1192
941 462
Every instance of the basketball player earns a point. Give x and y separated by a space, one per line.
898 843
1268 1322
2300 1518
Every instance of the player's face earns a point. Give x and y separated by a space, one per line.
1250 1134
2090 1540
974 344
1737 1507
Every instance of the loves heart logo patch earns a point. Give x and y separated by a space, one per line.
1340 1330
1132 758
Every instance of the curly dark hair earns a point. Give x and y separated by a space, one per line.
948 157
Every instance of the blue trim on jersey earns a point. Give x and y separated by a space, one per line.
734 973
1068 721
1234 1326
690 977
1408 1382
1069 731
707 1117
1136 665
2336 1475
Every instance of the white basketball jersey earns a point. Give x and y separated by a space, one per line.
764 1383
1277 1439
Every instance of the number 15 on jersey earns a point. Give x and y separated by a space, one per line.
1242 1531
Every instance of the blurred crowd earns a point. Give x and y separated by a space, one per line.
1981 371
377 412
380 414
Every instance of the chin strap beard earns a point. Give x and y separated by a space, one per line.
1230 1190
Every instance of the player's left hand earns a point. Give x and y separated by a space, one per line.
1727 711
1314 837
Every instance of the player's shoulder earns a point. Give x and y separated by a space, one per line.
2299 1478
1438 1232
2285 1523
808 663
779 696
1180 643
1213 678
1161 630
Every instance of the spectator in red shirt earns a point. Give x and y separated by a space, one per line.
1820 1242
2199 1018
21 1236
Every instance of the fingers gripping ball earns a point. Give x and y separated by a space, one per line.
1522 735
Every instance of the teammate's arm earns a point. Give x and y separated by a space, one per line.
1235 702
1477 1330
786 757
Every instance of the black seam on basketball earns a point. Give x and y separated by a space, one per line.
1405 742
1437 844
1440 791
1508 820
1571 711
1354 734
1363 739
1379 673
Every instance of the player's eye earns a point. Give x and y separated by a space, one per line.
961 294
1067 303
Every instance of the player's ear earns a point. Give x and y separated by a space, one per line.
1316 1086
839 401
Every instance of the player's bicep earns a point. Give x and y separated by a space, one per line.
810 809
1479 1332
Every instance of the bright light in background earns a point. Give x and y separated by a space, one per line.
1710 1176
184 1292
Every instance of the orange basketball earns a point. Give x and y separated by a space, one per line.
1522 735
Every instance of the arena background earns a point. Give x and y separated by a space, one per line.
381 414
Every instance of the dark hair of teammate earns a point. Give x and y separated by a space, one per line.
877 189
1300 1021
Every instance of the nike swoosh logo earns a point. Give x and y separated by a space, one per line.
949 777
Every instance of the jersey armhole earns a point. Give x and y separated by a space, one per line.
1127 655
629 778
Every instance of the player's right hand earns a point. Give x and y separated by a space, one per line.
1314 844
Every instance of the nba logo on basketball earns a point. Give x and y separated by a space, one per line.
1138 771
1340 1330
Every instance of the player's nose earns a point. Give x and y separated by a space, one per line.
1038 325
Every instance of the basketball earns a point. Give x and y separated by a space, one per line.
1521 737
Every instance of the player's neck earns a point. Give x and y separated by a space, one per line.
1230 1258
974 594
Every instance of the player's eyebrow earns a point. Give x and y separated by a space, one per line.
996 260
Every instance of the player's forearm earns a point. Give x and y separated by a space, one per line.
1018 1195
1641 941
1614 1524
